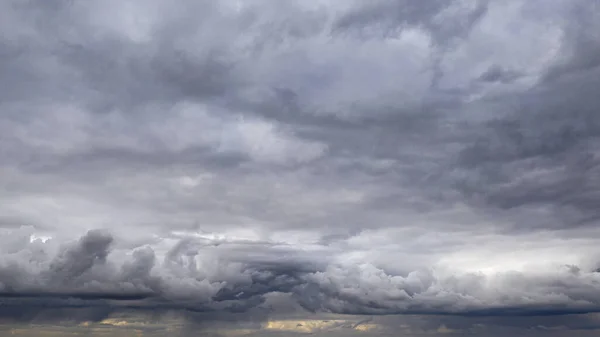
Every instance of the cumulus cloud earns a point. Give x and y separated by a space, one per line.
365 158
216 275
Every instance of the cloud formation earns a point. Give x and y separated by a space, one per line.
365 158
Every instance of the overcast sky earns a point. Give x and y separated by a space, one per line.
283 167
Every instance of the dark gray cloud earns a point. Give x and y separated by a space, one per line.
85 274
365 158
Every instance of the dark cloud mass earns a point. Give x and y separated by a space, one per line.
253 161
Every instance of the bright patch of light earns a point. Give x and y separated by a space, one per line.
42 238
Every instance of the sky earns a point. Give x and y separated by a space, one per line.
285 168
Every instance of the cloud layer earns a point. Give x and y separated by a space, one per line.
382 157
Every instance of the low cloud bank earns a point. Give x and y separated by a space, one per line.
236 276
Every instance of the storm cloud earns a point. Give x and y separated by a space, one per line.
435 158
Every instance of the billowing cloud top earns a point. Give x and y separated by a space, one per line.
354 157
